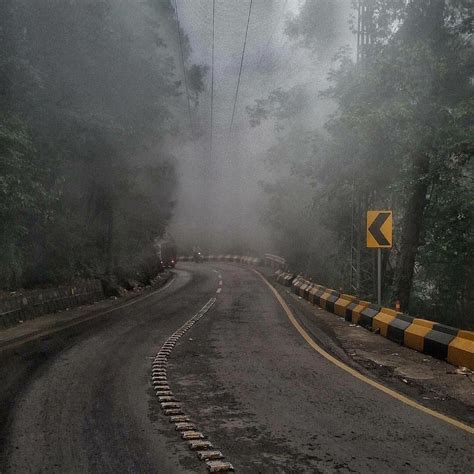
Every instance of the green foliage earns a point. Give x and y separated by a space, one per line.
282 105
24 197
408 102
90 89
317 25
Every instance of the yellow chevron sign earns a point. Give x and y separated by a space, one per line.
379 229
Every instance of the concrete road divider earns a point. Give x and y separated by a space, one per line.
437 340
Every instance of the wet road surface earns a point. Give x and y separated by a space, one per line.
83 402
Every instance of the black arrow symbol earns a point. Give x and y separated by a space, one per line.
374 228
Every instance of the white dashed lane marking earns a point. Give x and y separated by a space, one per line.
171 407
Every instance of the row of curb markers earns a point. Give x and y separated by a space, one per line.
171 407
437 340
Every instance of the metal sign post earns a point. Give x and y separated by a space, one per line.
379 276
379 236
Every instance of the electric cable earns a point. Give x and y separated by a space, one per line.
212 78
241 65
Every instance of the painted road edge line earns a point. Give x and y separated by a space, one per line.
172 408
358 375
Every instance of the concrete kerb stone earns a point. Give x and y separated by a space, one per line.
341 304
461 350
382 320
438 340
307 288
207 455
330 299
173 411
368 314
191 435
219 466
179 419
197 445
315 295
166 398
297 283
303 288
184 426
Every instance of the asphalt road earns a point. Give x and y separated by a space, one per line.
82 400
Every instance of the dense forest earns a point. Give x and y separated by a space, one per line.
92 91
399 138
89 91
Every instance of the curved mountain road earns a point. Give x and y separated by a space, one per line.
83 401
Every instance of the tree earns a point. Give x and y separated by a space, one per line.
90 94
400 136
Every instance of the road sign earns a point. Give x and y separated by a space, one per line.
379 236
379 229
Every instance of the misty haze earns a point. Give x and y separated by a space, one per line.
236 235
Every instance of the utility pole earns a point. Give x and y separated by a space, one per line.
361 265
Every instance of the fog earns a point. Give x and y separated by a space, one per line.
119 126
219 209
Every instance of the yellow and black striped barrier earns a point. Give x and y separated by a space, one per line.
437 340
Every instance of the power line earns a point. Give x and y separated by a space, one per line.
184 68
212 75
240 70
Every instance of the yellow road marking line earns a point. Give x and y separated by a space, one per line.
357 375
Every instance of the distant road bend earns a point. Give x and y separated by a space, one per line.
82 400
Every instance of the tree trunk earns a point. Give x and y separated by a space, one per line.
411 230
